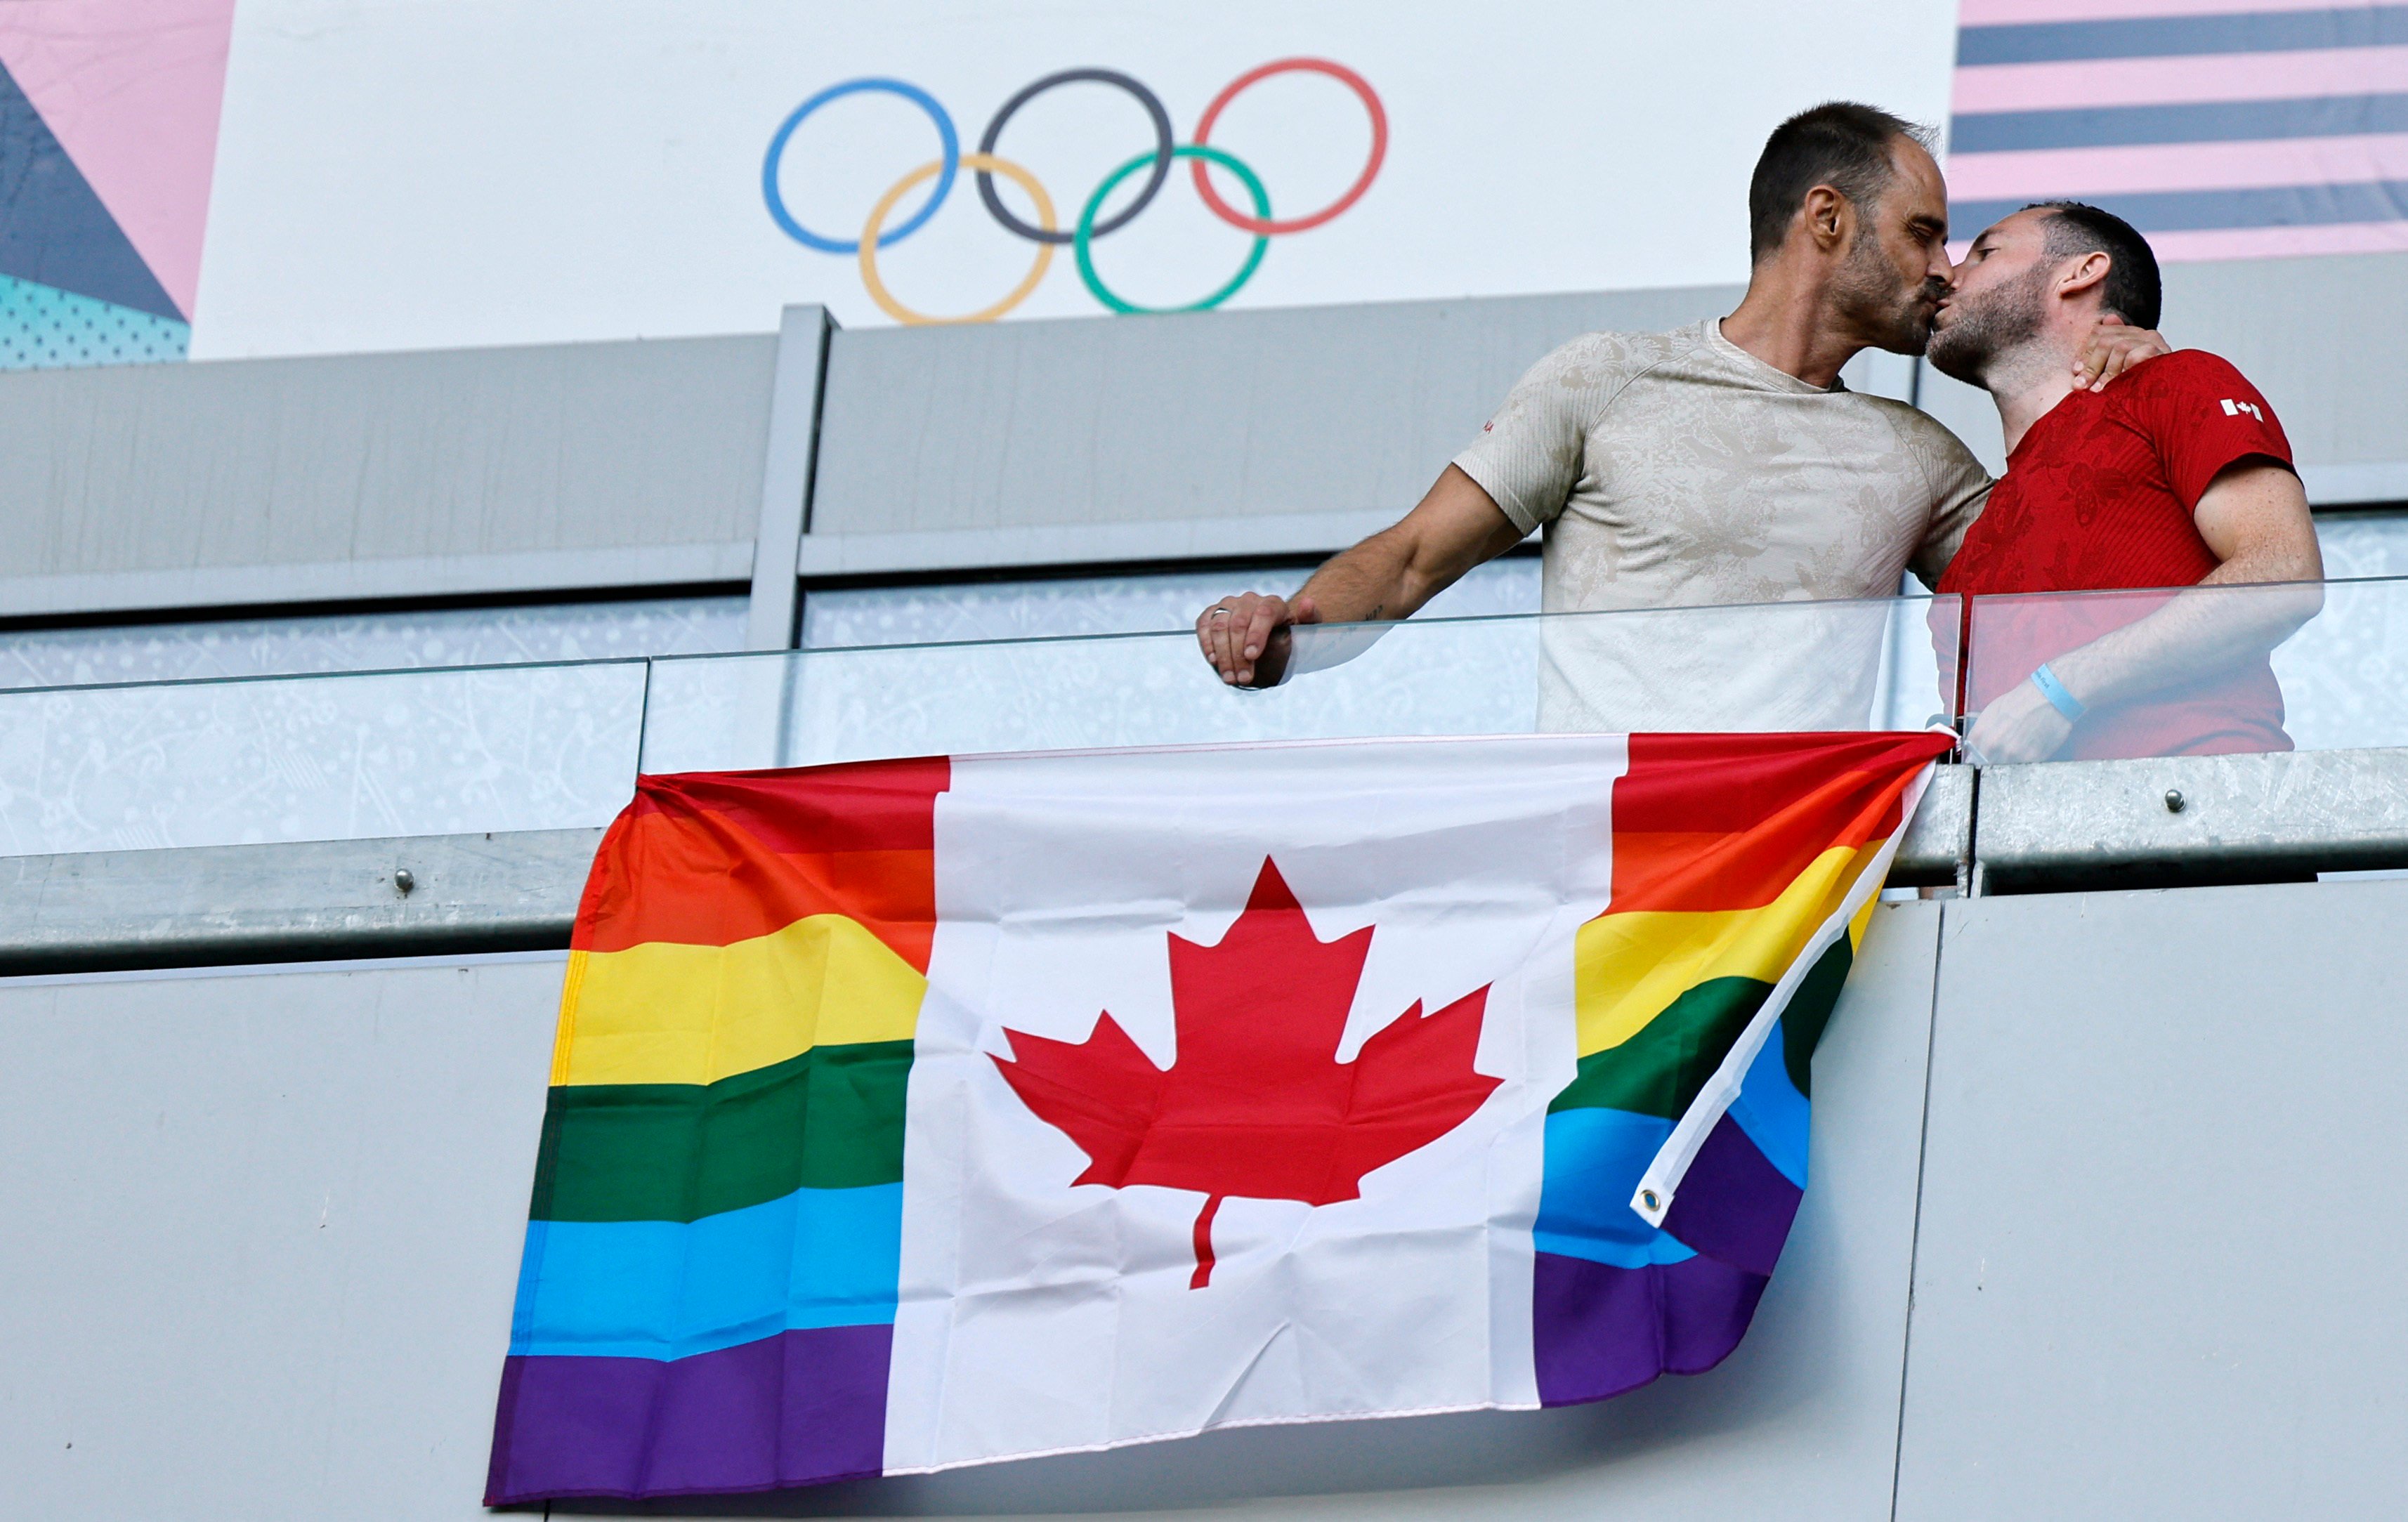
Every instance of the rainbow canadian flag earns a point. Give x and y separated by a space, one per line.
920 1113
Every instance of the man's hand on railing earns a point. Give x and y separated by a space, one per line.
1245 636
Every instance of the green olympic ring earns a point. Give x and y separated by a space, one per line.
1086 234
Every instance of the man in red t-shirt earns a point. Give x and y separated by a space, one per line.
2176 476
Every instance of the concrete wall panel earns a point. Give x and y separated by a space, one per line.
1202 434
142 472
1352 409
1306 411
262 1239
2161 1224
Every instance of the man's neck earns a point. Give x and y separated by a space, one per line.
2029 383
1787 322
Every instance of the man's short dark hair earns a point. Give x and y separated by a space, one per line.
1841 144
2133 291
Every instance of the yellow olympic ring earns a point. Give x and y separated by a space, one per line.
988 162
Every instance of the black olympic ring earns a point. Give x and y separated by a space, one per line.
1162 144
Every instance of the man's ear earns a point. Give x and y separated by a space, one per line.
1828 216
2086 273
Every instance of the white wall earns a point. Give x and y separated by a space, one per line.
261 1237
2155 1273
506 171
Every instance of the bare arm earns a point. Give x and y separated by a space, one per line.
2255 517
1456 526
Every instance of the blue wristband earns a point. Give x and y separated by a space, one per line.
2059 698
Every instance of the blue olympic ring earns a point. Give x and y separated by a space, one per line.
917 96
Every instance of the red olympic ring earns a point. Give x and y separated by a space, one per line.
1265 227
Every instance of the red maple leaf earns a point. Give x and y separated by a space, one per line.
1256 1103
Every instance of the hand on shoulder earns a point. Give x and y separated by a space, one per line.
2115 347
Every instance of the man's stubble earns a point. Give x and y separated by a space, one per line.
1890 312
1984 330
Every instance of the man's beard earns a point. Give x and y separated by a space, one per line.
1983 331
1891 314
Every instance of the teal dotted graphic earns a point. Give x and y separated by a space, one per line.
43 328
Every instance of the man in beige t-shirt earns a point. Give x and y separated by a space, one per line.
1719 464
1677 470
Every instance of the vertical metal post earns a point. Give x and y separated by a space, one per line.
786 469
1969 866
643 718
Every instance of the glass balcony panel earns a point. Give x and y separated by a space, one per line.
551 746
409 639
1066 605
2363 542
2191 670
313 758
2344 675
1877 664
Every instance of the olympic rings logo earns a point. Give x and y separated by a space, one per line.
1047 233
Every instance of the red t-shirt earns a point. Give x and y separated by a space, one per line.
2099 494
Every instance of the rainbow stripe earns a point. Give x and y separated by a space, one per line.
707 1299
1731 851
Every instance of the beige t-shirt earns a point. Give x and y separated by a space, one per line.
1676 470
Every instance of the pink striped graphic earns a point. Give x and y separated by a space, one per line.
2175 81
2205 243
2312 164
2010 13
2282 242
2075 172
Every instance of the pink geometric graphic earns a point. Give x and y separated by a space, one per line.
2279 242
2091 173
132 88
2181 78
